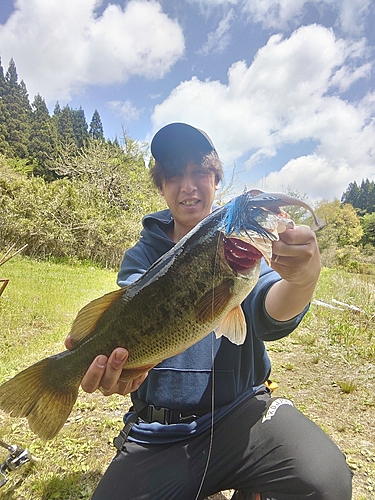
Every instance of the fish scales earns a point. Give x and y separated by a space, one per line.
187 293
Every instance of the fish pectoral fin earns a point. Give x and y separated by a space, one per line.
233 326
90 314
213 302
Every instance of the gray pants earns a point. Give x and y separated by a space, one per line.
265 445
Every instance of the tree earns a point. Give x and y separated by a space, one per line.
96 128
2 81
343 226
65 127
368 225
16 113
361 197
56 111
3 127
43 139
79 127
118 172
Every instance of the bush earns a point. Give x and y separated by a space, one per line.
67 218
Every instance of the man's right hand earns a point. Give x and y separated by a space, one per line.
104 373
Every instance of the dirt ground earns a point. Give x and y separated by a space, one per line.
312 375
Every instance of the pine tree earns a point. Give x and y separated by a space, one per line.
367 196
80 127
57 110
3 119
43 139
65 127
361 197
96 128
16 114
351 195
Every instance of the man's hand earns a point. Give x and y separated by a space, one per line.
296 258
104 373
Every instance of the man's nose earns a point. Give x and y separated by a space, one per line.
188 184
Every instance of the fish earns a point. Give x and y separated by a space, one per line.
195 288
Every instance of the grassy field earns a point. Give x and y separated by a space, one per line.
326 367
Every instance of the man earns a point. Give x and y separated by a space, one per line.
179 449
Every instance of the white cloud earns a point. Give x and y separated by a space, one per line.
218 40
125 109
352 15
313 175
204 4
274 13
61 47
288 95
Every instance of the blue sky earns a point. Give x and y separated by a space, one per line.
285 88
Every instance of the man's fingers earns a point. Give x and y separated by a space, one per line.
68 342
104 374
92 378
114 368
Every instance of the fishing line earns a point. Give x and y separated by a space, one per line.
212 382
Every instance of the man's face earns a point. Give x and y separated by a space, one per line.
190 196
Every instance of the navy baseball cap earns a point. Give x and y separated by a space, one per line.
177 138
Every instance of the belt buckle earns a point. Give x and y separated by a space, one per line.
161 415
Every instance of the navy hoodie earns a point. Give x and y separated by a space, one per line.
185 382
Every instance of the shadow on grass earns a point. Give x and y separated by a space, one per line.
75 486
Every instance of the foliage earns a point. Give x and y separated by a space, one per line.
341 240
119 173
361 197
74 218
96 127
343 226
29 132
14 114
79 127
368 226
43 139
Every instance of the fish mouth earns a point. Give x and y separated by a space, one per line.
241 256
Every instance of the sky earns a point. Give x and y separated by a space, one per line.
284 88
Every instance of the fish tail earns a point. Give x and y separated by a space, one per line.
32 394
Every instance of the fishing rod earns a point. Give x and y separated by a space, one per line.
17 457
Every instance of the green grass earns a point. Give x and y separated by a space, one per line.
38 307
36 312
344 328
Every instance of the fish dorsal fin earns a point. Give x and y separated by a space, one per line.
213 302
90 314
233 326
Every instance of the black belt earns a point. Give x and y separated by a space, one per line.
167 416
150 413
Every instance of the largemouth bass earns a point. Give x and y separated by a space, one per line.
195 288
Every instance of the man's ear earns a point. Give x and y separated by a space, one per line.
161 192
